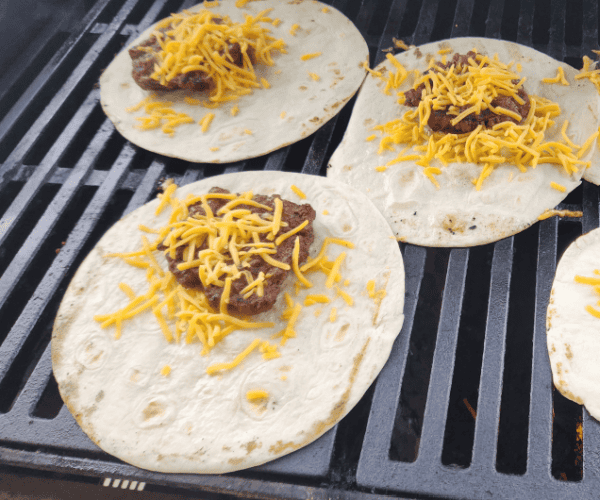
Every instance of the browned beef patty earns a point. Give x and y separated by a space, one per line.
441 121
143 59
293 215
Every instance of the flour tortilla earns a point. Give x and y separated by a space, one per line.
457 215
193 422
573 334
308 104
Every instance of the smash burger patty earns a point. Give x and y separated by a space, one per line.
293 215
441 121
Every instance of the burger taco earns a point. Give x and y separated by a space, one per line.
178 379
221 83
477 141
573 323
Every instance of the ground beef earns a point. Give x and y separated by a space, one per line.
441 121
293 215
143 61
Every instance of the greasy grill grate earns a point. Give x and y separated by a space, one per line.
464 408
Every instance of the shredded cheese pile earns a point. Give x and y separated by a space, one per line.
232 238
593 281
473 88
195 42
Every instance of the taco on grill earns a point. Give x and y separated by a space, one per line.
222 83
466 141
233 364
573 323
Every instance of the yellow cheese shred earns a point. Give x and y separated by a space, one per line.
298 191
559 78
561 213
306 57
165 371
255 394
219 367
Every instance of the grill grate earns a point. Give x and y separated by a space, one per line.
464 408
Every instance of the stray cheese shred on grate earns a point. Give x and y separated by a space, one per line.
184 314
472 89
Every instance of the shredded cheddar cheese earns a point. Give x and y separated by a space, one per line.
470 89
306 57
220 245
165 371
194 41
558 187
589 74
255 394
559 78
298 191
314 76
561 213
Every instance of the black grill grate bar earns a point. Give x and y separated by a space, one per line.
44 170
492 366
276 160
590 207
424 28
540 410
318 148
61 96
591 449
493 24
61 264
364 16
146 187
590 26
378 435
556 46
33 389
525 27
438 393
45 73
51 215
11 163
462 18
392 25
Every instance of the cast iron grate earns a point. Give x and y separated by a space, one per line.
464 408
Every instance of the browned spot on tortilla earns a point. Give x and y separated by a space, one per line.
368 121
453 224
99 396
314 119
159 457
336 104
154 409
339 336
347 227
418 53
226 448
337 71
337 413
251 446
559 368
552 349
125 85
347 167
235 461
386 276
303 87
569 353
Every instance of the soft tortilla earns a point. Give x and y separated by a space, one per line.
193 422
307 104
573 334
456 214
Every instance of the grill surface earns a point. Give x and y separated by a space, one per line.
464 408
